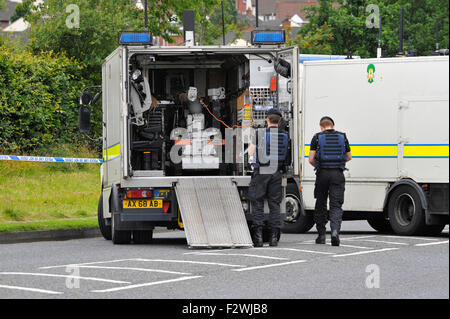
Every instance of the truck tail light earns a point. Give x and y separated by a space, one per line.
139 193
166 206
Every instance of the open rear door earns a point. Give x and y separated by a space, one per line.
288 100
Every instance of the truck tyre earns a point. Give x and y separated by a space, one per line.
142 236
406 215
119 237
381 225
105 230
295 221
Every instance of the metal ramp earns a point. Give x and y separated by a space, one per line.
212 213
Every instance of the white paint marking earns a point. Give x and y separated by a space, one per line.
189 262
242 255
89 263
407 237
309 242
384 242
135 269
65 276
50 292
147 284
270 265
365 252
434 243
357 247
298 250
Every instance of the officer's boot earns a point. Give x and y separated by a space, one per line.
258 236
274 233
321 239
335 241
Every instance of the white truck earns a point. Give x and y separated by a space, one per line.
176 124
395 112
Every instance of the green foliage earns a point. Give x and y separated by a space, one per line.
38 99
346 23
101 20
209 24
21 10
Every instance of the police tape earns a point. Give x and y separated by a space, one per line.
50 159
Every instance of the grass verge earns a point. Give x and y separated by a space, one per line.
48 225
49 195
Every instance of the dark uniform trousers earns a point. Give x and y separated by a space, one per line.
329 183
266 186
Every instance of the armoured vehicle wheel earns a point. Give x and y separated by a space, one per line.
105 230
406 214
119 237
295 221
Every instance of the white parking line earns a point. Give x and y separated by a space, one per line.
50 292
134 269
312 241
65 276
147 284
434 243
357 247
270 265
295 249
189 262
365 252
89 263
383 242
241 255
408 237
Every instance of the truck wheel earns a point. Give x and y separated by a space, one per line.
120 237
105 230
381 225
406 214
142 236
295 221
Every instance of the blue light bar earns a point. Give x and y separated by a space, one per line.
135 38
269 37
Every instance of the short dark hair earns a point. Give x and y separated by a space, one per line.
274 118
326 123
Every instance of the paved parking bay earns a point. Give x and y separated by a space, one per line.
366 265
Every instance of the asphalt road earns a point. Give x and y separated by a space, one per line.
367 265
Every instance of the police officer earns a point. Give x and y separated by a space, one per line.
329 152
269 149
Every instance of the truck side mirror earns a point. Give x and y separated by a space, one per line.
85 98
84 119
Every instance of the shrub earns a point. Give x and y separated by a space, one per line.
38 99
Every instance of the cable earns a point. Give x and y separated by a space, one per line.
219 120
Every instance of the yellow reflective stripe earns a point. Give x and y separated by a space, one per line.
426 151
111 153
374 150
391 151
368 150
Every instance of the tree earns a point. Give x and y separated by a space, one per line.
349 23
21 10
209 24
87 29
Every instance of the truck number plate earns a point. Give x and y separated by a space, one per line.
143 203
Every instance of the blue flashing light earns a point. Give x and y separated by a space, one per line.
269 37
135 38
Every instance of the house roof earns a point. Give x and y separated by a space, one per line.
265 7
8 10
286 9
